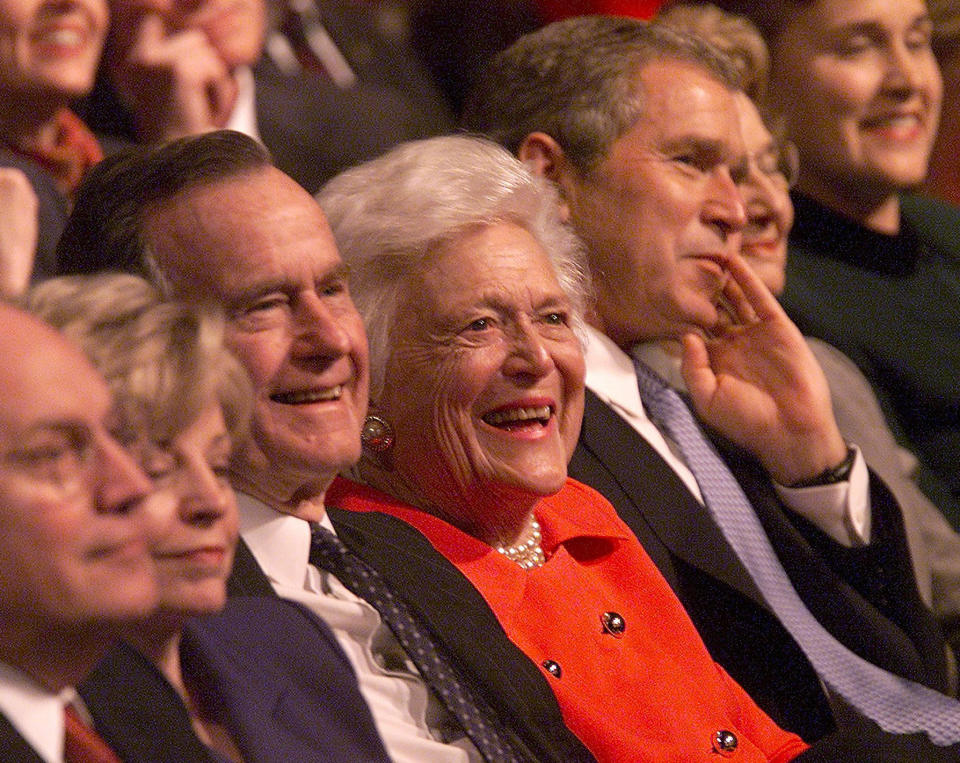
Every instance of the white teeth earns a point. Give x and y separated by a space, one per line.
902 121
497 418
63 37
311 396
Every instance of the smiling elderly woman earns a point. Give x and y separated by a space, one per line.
471 290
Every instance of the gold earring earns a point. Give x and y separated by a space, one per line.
376 434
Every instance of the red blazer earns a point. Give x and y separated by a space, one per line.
651 692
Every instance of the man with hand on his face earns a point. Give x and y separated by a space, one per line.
638 127
174 68
73 563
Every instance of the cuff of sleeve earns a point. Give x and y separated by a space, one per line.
841 510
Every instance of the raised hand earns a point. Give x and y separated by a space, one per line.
175 84
755 381
18 231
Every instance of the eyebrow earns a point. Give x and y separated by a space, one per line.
75 431
60 426
873 27
702 143
282 284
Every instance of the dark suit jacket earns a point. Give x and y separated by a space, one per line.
866 596
313 129
451 608
273 674
14 746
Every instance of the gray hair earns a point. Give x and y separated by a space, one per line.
389 214
576 80
106 228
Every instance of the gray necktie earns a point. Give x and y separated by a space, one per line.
328 552
897 704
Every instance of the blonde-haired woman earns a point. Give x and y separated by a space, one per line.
178 687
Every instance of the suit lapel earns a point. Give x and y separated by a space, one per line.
246 577
15 747
458 616
659 499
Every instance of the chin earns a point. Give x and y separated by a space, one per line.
543 484
199 602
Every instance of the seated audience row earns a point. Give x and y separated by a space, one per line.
315 81
741 512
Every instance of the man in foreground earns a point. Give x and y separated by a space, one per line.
73 552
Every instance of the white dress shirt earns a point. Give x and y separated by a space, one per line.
407 715
842 510
34 711
243 118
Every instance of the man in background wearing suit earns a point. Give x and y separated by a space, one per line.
73 563
639 131
175 68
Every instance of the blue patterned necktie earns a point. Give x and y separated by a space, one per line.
328 552
897 704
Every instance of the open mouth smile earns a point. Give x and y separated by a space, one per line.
512 419
306 397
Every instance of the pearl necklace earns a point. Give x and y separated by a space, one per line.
528 554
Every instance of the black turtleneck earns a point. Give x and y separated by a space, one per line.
892 304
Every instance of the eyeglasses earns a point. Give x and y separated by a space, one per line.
63 456
781 160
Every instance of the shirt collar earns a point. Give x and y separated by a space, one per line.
610 373
557 522
559 527
661 362
35 712
279 542
243 118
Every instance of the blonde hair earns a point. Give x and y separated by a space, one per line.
164 361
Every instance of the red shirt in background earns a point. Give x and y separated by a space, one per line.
554 10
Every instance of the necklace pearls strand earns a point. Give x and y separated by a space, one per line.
528 554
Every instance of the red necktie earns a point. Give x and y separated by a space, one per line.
81 744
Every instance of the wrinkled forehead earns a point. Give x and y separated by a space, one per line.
211 240
684 104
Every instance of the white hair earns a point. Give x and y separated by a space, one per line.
390 213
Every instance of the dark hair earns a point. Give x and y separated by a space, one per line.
105 228
576 81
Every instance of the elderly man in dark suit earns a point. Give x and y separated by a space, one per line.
181 68
73 564
640 133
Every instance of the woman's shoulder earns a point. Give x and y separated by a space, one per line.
577 496
936 222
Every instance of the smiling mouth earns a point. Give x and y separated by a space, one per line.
54 35
762 230
516 418
306 397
